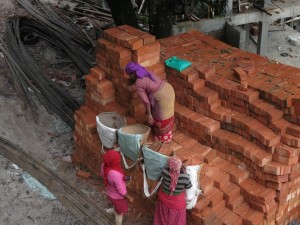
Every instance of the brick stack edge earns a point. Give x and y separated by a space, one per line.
236 112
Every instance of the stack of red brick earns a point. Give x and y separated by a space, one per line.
236 109
120 46
260 137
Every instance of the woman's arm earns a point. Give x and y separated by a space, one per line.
102 170
188 183
129 198
150 118
118 180
141 89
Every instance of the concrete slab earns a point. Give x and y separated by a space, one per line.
277 43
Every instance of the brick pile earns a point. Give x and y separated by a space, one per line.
236 112
120 46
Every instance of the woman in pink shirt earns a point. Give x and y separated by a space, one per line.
114 180
158 97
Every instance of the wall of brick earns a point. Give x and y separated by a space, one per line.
236 112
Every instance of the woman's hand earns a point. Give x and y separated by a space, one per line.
150 119
129 198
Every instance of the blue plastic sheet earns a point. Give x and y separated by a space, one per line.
35 185
177 64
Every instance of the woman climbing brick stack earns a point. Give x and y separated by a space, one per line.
158 97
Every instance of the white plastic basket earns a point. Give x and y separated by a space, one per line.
107 125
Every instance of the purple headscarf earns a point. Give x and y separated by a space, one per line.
139 70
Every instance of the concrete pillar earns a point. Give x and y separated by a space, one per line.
263 36
247 36
235 36
229 7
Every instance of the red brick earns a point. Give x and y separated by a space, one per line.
290 140
222 213
112 34
248 66
91 81
293 130
201 204
216 222
259 207
272 168
135 43
231 219
243 209
194 218
189 74
230 195
207 95
151 61
104 86
257 192
98 73
284 160
146 37
108 94
215 197
219 206
221 179
237 176
207 216
287 151
83 174
242 75
206 183
253 218
210 156
196 84
107 101
235 202
294 175
206 71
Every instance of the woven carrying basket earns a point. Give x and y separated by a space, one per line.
112 120
137 129
107 125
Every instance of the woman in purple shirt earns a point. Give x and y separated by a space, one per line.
158 97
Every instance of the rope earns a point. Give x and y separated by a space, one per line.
146 186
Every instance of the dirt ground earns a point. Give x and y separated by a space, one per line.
22 199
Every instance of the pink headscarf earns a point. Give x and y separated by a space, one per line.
112 161
174 164
139 70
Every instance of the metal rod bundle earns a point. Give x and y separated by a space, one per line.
28 74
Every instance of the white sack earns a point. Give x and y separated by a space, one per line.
191 195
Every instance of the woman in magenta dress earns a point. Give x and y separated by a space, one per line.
158 97
171 204
114 180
